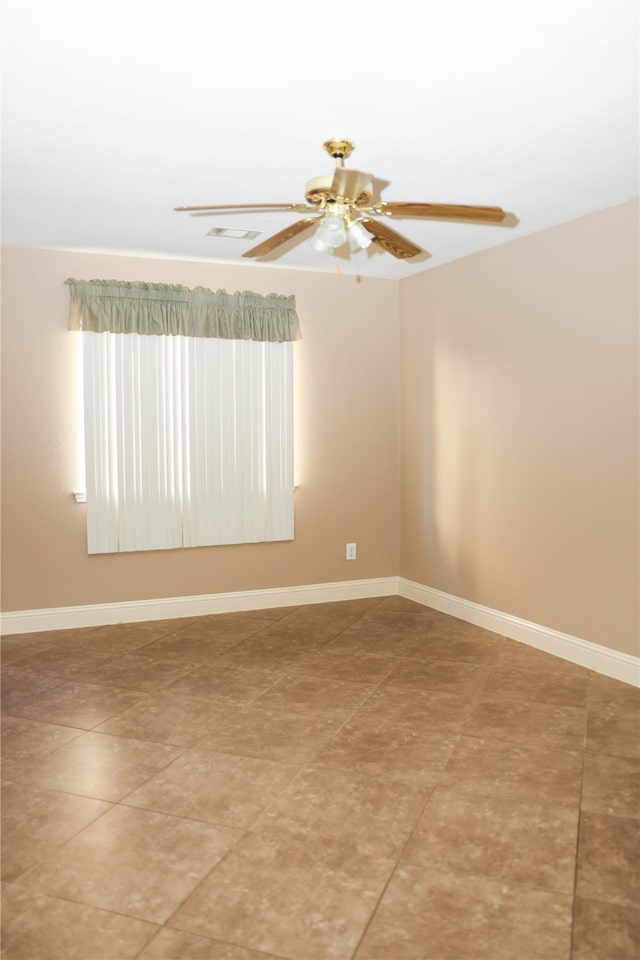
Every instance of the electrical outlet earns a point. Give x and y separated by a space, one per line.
351 551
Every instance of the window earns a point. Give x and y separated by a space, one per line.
188 439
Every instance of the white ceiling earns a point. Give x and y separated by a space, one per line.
116 111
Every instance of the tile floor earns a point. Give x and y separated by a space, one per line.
368 779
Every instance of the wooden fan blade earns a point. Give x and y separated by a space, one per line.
442 211
350 184
248 206
281 237
389 240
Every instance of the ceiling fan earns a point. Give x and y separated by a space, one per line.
345 209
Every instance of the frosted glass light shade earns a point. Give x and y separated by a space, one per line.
359 237
331 233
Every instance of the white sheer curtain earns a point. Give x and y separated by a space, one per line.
189 441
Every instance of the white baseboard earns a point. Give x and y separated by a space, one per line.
168 608
611 663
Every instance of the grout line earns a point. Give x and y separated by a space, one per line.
83 903
574 891
59 847
393 872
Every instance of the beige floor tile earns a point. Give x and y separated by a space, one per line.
193 650
82 705
270 652
176 945
36 821
513 840
331 618
134 862
24 739
100 766
119 636
358 642
428 914
281 895
26 648
17 647
140 671
559 685
613 727
277 645
424 709
222 626
496 768
271 767
526 721
315 695
427 636
117 639
43 640
395 751
442 675
357 669
205 639
38 927
393 626
22 685
609 859
403 605
296 633
299 629
168 718
416 640
218 787
365 814
605 930
226 683
397 615
73 664
611 785
16 771
603 688
474 646
517 653
272 735
271 614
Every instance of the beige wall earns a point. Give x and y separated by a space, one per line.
519 410
346 435
519 433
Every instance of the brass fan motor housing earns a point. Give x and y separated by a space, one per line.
319 192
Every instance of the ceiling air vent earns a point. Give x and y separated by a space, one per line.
234 234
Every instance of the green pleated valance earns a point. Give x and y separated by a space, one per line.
115 306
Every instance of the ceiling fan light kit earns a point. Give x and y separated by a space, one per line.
330 233
345 212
